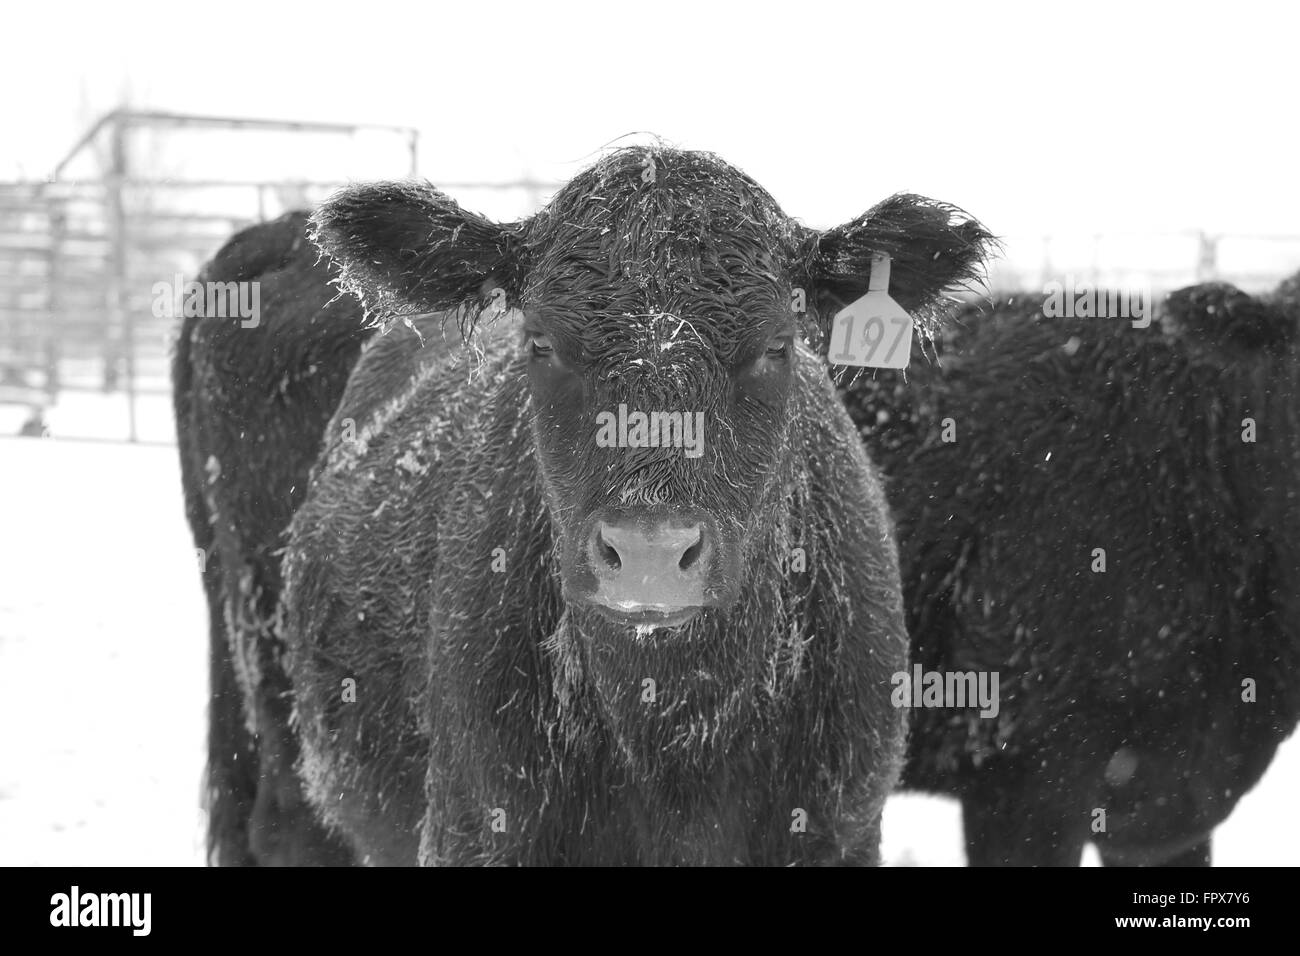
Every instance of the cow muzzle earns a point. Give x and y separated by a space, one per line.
655 571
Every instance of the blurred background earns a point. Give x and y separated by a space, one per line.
1117 143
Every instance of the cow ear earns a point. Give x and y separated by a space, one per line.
933 246
405 247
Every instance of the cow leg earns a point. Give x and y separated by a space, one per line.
283 829
231 774
1197 855
1011 821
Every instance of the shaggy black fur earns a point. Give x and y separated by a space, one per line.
1121 691
495 721
251 404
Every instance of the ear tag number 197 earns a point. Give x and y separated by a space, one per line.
874 331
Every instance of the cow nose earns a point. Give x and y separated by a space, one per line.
679 547
650 568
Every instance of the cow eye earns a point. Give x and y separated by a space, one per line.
778 347
541 344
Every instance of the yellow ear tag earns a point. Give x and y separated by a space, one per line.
874 331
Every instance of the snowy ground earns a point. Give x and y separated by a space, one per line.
103 677
102 660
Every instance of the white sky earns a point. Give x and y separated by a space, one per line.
1093 117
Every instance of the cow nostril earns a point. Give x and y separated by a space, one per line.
606 551
692 554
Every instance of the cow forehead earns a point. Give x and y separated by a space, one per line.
660 249
654 180
661 217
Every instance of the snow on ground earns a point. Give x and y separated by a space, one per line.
103 417
103 674
103 678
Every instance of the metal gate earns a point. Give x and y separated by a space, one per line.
81 253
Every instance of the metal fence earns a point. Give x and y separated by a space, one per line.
1160 261
81 253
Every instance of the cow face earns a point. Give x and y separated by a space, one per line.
662 301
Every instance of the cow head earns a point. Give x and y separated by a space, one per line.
657 299
667 378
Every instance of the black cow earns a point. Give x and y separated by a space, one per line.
251 404
514 633
1112 525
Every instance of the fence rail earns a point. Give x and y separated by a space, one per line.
1162 261
80 254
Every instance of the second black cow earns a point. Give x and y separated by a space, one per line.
1107 517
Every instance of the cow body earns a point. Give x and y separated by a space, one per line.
509 643
1097 532
584 768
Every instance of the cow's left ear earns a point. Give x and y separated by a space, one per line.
932 245
405 247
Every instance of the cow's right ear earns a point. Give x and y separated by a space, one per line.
405 247
933 247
